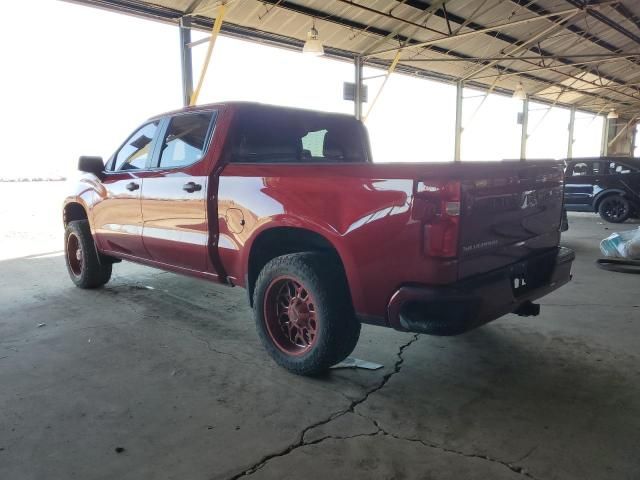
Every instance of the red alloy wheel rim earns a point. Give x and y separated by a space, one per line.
74 255
290 316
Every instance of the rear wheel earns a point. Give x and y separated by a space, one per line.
303 312
83 264
614 209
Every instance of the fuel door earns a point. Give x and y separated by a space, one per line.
235 220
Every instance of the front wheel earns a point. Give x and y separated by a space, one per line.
614 209
303 312
83 264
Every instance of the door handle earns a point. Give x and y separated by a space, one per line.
192 187
131 186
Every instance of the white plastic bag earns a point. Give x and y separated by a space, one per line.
622 245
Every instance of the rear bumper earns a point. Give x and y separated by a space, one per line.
465 305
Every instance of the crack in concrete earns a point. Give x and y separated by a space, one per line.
528 454
381 431
511 466
301 442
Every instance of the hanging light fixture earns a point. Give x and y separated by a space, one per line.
612 115
313 45
519 93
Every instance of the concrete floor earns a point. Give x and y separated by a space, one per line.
159 376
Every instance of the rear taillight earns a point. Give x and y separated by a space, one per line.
437 205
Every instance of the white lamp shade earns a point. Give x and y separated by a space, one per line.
519 93
612 115
313 45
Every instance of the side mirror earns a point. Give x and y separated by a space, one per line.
93 165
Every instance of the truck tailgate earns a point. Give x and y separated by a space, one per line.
512 211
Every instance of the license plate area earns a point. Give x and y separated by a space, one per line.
529 275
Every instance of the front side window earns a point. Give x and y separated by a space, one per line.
185 140
133 155
580 169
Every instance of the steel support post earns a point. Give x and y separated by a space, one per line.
572 125
185 60
604 145
525 129
357 97
458 134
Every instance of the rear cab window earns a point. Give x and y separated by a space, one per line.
282 136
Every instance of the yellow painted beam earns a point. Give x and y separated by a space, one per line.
217 25
392 67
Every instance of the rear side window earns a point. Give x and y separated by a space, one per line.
133 155
281 136
618 168
185 140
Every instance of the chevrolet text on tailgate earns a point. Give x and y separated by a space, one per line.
288 204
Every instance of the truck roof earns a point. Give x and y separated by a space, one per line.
241 105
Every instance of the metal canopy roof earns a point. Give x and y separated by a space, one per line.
569 52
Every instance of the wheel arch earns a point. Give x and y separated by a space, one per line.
607 193
74 209
282 240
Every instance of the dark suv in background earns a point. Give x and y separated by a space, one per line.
607 185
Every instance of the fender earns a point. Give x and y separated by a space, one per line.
86 193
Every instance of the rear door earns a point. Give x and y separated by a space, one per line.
117 217
174 196
581 179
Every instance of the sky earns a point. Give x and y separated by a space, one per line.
77 80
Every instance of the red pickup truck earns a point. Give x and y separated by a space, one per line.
288 204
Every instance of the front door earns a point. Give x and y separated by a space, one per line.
117 215
174 194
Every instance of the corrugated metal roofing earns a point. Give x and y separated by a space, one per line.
570 52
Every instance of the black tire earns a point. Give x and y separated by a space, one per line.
614 209
83 264
328 305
